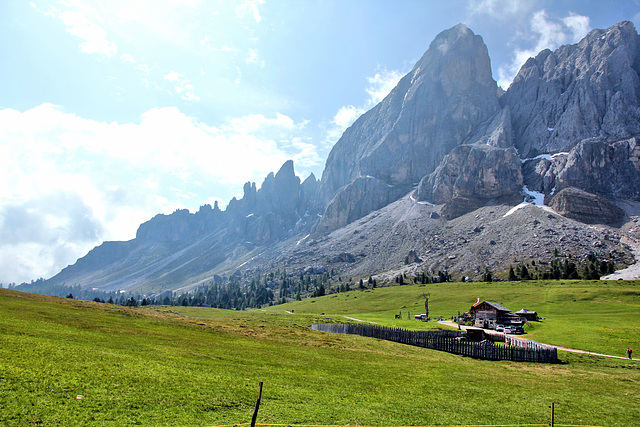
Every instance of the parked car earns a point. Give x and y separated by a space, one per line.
500 328
519 330
509 329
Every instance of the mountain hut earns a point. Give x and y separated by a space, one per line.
491 314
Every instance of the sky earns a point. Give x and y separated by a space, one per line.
114 111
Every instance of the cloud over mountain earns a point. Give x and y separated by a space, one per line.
70 183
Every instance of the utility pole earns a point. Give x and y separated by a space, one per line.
426 304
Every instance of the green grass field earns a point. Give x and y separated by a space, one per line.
66 362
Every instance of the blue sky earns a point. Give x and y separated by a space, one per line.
114 111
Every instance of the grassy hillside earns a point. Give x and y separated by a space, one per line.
599 316
68 362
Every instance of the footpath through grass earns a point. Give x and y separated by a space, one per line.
70 363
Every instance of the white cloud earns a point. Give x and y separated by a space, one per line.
207 43
128 58
381 84
68 183
579 26
182 86
94 36
172 76
250 7
254 58
346 116
499 9
549 34
546 33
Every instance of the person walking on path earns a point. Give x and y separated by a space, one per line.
629 351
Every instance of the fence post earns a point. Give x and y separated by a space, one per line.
552 413
255 411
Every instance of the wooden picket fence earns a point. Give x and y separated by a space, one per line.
518 350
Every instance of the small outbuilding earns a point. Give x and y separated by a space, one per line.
475 334
527 314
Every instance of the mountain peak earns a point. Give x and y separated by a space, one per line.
439 105
584 90
286 170
454 33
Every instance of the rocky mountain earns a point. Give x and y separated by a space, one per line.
431 178
572 116
581 91
184 247
449 98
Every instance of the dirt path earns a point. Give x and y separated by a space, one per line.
358 320
572 350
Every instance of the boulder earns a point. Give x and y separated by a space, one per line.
412 257
344 257
314 270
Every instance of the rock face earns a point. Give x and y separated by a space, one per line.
586 207
446 99
412 257
268 214
609 169
471 176
363 195
579 91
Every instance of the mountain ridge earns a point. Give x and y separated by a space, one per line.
445 143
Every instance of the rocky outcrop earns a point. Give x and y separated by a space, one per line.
343 257
177 247
579 91
281 205
571 114
586 207
444 101
610 169
412 258
181 226
470 176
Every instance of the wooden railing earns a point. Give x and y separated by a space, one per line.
518 350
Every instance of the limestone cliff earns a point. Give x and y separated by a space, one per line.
472 176
444 101
585 90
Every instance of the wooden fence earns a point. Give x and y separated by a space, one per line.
518 350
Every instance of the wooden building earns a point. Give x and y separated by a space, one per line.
528 314
490 314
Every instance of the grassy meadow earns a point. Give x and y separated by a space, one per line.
66 362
